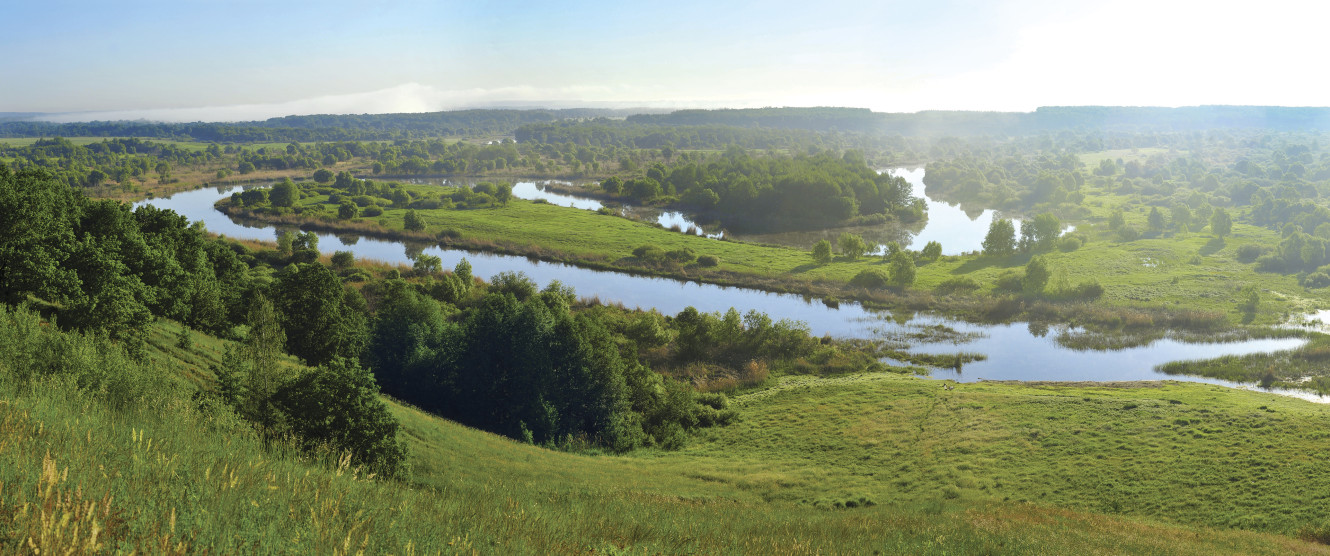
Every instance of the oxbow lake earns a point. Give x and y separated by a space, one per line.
1014 351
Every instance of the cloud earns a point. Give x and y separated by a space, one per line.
409 97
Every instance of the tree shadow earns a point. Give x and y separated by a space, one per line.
981 263
1213 246
804 268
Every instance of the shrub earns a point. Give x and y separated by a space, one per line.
870 278
1007 282
649 253
683 255
372 210
959 283
516 283
1249 252
1316 280
708 260
931 251
412 221
1070 243
822 252
336 406
342 260
1129 233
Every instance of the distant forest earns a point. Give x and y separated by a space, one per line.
604 126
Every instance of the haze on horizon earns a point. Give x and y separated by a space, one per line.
245 60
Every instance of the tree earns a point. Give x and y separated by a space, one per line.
323 175
851 245
902 270
254 197
822 252
1116 220
412 221
1155 222
37 217
263 349
931 251
323 319
1036 277
427 265
1001 238
336 405
347 210
1042 234
1181 218
284 194
1220 223
613 185
503 192
342 260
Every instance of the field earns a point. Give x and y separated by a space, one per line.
1188 270
855 464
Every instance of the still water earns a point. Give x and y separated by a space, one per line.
1015 351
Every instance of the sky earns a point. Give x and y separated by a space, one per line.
209 60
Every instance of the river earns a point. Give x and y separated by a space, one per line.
1014 351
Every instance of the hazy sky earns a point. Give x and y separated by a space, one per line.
209 60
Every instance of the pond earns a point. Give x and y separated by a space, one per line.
531 191
1015 351
955 229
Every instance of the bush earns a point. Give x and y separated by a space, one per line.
931 251
336 406
708 260
822 252
372 210
1070 243
959 283
342 260
870 278
1129 233
649 253
1248 253
1270 263
1316 280
1007 282
684 255
516 283
412 221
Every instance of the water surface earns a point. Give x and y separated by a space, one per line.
1015 351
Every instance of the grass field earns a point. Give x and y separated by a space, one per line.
1143 468
1189 270
1093 159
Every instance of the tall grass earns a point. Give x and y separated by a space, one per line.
80 473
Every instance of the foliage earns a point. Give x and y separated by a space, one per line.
322 319
822 252
1001 238
851 245
336 405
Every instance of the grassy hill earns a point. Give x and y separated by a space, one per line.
855 464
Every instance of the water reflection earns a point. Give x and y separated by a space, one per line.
1016 351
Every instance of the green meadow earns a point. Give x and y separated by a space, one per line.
851 464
